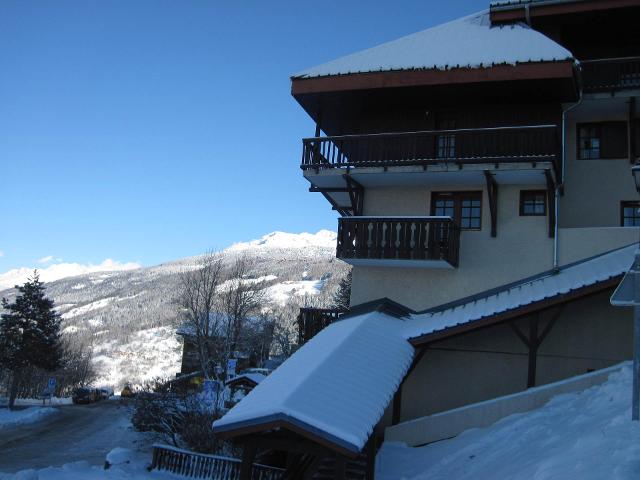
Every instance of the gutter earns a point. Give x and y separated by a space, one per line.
560 185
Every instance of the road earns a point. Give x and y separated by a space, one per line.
76 432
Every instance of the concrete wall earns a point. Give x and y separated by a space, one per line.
451 423
590 334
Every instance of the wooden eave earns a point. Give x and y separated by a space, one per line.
562 69
518 12
259 426
423 340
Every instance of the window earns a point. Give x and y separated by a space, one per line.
533 203
446 142
589 141
464 207
602 140
630 214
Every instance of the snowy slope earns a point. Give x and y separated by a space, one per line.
587 436
129 315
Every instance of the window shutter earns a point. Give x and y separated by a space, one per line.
614 140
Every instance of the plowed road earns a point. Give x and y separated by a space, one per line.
74 433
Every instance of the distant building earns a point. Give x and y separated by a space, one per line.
481 170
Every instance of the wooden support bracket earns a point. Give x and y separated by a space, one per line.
492 191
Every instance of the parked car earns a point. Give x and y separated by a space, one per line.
105 393
127 392
85 395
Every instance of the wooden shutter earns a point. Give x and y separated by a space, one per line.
613 143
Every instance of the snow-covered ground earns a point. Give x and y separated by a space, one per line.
12 418
125 464
587 436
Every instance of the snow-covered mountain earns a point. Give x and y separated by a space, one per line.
130 315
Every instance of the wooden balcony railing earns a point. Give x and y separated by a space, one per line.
435 239
312 320
533 143
610 74
198 465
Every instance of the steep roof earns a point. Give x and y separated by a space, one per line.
547 285
469 42
335 388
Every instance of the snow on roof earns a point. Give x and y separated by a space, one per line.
518 3
254 377
466 42
571 277
336 386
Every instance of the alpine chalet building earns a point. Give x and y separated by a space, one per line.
481 171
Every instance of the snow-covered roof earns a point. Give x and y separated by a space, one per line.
517 3
572 277
466 42
254 377
335 387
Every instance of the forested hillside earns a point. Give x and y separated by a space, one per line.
129 317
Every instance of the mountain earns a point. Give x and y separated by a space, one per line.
130 315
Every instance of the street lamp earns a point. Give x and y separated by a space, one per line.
628 295
635 397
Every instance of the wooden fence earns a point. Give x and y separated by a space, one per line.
199 465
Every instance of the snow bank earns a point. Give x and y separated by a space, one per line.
127 465
587 436
11 418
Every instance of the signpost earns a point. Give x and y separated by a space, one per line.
49 391
231 367
628 295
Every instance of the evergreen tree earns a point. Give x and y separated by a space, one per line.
342 296
29 334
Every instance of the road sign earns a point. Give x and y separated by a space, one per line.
51 386
231 367
209 390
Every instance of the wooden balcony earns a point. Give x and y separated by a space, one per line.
610 74
312 320
427 242
524 144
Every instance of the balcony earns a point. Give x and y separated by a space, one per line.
312 320
523 144
610 74
419 242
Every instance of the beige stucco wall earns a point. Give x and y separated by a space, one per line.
521 248
595 188
590 334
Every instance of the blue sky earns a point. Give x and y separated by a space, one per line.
146 131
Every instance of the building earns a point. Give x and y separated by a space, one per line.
481 170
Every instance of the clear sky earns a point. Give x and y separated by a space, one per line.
146 131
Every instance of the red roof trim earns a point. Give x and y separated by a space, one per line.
414 78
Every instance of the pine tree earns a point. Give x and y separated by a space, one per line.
29 334
342 296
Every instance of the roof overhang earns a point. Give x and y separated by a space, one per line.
514 313
292 424
432 77
525 10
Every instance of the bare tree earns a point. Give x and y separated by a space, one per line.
243 295
199 304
